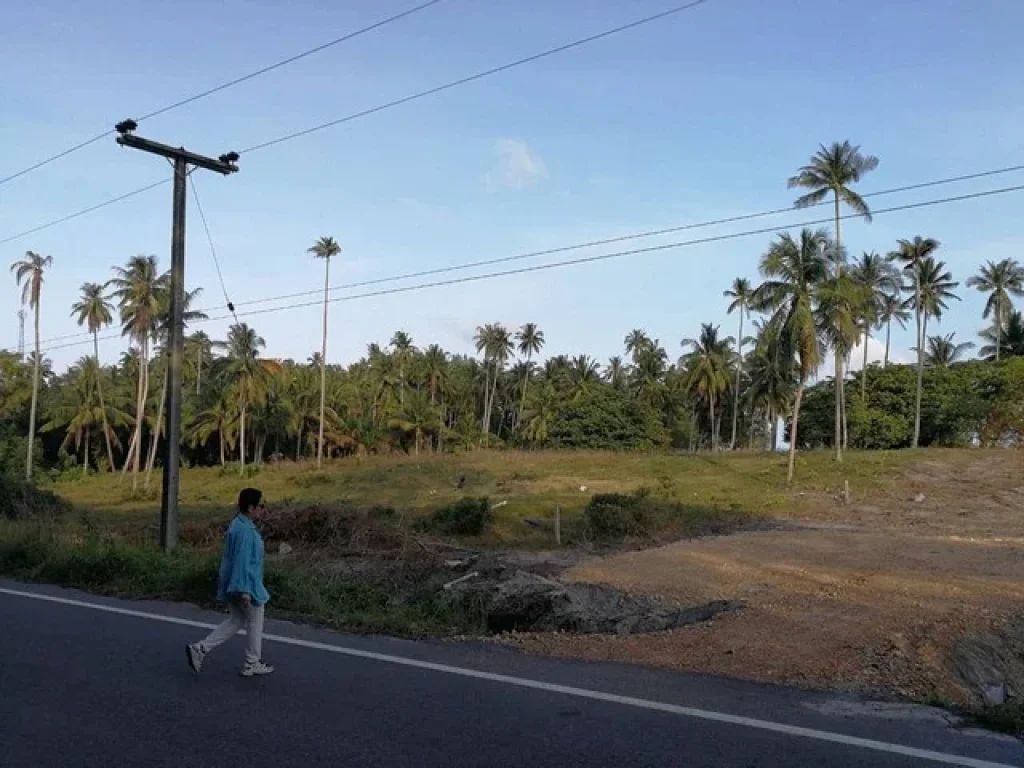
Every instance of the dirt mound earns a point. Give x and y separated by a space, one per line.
991 664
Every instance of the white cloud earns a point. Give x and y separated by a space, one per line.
517 166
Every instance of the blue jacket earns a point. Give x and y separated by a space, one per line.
241 566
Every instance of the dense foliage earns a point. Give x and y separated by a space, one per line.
963 404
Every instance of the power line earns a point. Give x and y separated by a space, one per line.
84 211
213 250
596 258
477 76
620 239
228 84
584 245
388 105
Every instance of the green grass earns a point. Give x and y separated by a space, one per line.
99 563
531 484
1005 718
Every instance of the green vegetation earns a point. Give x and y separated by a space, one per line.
101 563
465 517
961 404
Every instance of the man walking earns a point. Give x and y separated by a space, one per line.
240 585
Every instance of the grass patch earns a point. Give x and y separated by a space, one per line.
104 565
1005 718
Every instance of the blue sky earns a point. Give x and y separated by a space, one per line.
695 117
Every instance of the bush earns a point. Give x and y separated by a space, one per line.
20 499
466 517
617 515
610 517
603 419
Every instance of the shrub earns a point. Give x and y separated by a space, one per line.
617 515
466 517
612 517
21 499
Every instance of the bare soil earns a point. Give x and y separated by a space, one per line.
869 596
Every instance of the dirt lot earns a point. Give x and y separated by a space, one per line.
869 596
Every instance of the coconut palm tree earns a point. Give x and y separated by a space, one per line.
417 416
530 340
911 254
741 293
891 307
794 272
706 368
1010 339
833 170
93 311
877 279
635 341
1000 280
162 337
943 351
615 373
771 378
138 288
494 340
401 343
586 374
247 374
78 410
325 248
28 273
198 351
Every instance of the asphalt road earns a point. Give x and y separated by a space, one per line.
87 685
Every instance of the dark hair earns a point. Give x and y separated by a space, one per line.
249 498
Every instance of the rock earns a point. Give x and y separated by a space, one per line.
991 664
284 548
919 498
526 602
583 489
994 695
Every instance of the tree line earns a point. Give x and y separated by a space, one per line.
241 406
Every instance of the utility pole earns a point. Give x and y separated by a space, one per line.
21 333
182 159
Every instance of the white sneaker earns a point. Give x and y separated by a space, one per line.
195 655
255 668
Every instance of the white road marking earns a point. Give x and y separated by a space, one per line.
583 693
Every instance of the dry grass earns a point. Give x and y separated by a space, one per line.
531 484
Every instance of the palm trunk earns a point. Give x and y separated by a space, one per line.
999 325
128 457
846 431
736 393
920 358
99 391
920 380
775 431
140 411
157 430
199 369
85 455
864 367
526 384
711 405
298 444
490 402
220 434
839 359
323 365
888 333
35 399
793 432
484 424
241 442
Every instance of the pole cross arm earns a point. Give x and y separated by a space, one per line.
225 164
